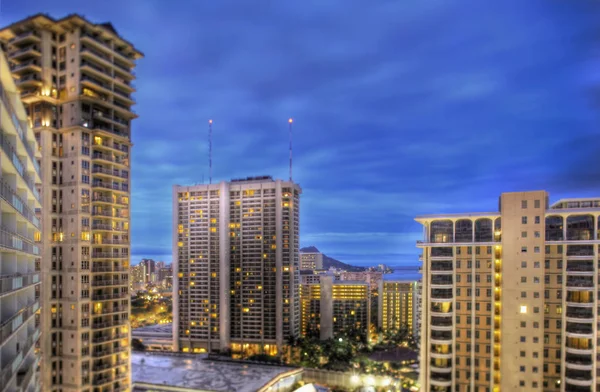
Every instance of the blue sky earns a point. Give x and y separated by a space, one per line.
401 108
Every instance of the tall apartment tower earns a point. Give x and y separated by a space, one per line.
397 305
19 254
509 297
236 265
75 79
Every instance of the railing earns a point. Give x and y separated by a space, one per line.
109 282
109 255
9 370
579 359
95 82
582 313
10 151
24 379
23 50
95 53
116 309
123 94
103 297
17 242
101 226
114 172
23 35
588 267
14 282
109 269
581 329
111 242
28 77
579 282
20 126
25 64
441 267
94 66
9 195
8 327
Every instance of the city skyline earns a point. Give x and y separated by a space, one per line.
369 82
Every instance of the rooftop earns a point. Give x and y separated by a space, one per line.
159 329
197 372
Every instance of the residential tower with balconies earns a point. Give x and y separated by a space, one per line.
510 297
75 79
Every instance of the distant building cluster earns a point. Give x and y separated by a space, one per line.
150 272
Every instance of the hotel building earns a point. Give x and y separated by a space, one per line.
236 265
510 297
397 305
19 253
311 261
75 80
332 308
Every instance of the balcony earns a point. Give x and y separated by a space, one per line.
580 313
14 363
579 377
29 65
441 281
441 337
109 255
20 126
27 51
580 282
110 158
8 327
96 84
106 297
441 321
114 309
581 362
441 267
439 295
29 80
96 70
12 154
108 324
441 379
11 197
105 269
580 267
109 282
109 241
107 227
578 330
109 172
28 36
9 283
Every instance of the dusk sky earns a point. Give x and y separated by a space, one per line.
401 108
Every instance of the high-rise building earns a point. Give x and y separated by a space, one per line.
20 256
509 297
397 305
333 308
149 270
136 276
311 260
236 264
75 80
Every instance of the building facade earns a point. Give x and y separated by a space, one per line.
236 265
372 278
397 305
149 270
509 297
311 261
332 308
19 253
75 80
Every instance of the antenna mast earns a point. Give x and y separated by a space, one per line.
209 152
290 121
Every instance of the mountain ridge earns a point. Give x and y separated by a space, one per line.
329 262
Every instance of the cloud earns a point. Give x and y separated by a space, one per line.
400 108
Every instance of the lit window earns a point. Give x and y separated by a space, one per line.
523 308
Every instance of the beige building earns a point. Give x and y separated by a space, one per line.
311 260
19 253
236 265
397 305
75 80
372 278
509 297
332 308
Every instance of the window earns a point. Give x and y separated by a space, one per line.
523 339
536 249
536 309
536 204
523 234
524 220
536 279
558 309
523 308
523 294
537 220
522 369
521 383
536 295
85 165
536 264
85 179
523 279
523 264
85 150
523 203
536 234
523 249
536 324
523 325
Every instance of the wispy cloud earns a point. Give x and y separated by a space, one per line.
401 108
